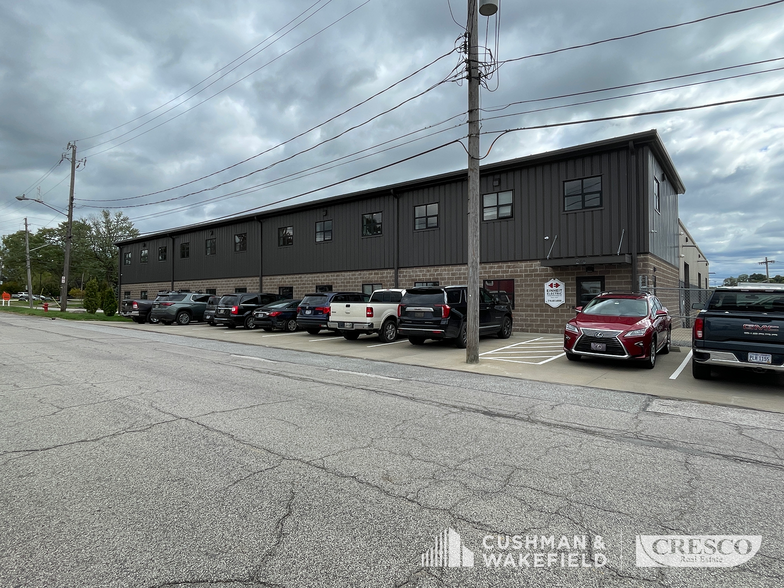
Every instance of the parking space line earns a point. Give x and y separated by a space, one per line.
528 352
390 343
281 334
364 375
253 358
677 372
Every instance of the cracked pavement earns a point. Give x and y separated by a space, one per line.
154 459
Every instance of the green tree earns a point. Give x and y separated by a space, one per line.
757 278
92 296
105 230
730 281
109 302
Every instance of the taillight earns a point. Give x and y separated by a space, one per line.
698 326
444 309
299 310
166 303
322 310
235 310
369 311
135 306
399 310
274 313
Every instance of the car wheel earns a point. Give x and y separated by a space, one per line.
700 371
666 349
572 356
462 339
506 328
153 321
313 331
350 335
183 318
416 340
291 325
650 363
250 323
388 332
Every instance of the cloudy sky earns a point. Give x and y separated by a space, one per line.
189 111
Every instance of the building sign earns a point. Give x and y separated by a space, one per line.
554 293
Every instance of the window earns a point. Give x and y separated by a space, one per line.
127 256
324 288
185 250
497 205
501 289
126 294
588 289
426 216
212 291
240 242
285 236
162 253
240 290
287 291
323 231
143 295
371 224
210 247
144 255
368 288
582 194
656 196
425 284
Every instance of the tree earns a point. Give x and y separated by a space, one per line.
109 302
730 281
105 230
92 296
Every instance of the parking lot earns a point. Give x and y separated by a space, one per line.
529 356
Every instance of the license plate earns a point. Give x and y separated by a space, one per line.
308 312
419 314
598 346
760 357
348 325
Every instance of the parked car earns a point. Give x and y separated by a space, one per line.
278 315
237 309
440 313
179 307
377 315
740 327
138 311
633 326
209 310
313 311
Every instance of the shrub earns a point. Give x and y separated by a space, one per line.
109 303
92 297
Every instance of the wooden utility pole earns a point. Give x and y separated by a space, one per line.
766 263
29 274
68 235
474 209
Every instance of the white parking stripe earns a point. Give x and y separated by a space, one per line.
528 352
677 372
364 375
390 343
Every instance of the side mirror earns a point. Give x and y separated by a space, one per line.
578 309
661 312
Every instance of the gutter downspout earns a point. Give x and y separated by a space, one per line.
172 261
396 261
261 252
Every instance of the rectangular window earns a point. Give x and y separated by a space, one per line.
588 289
287 291
501 289
127 295
497 205
143 295
426 216
368 288
127 256
324 288
210 246
241 242
185 250
323 231
582 194
285 236
371 224
425 284
240 290
144 255
212 291
162 253
656 196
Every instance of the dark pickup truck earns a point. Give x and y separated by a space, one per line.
137 310
740 327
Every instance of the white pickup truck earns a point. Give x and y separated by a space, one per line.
377 315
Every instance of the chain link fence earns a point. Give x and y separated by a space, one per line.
679 302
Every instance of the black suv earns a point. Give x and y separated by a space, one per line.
209 312
440 313
179 307
237 309
313 311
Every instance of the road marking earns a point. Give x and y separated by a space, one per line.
364 375
322 340
390 343
253 358
528 352
677 372
281 334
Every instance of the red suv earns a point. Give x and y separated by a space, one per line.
619 326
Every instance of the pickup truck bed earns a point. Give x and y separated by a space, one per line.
740 327
377 315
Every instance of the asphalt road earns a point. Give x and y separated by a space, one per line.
151 458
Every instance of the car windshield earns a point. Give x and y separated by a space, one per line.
316 300
748 301
427 299
616 307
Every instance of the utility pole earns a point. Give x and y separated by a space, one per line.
766 263
29 275
68 235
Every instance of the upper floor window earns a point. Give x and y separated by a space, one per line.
127 256
185 250
424 284
162 253
582 194
656 196
426 216
210 246
371 224
497 205
323 231
285 236
241 242
144 255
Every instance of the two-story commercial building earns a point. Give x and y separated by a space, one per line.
591 218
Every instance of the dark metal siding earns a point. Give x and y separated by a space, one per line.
663 225
153 270
226 263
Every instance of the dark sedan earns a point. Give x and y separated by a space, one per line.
278 315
